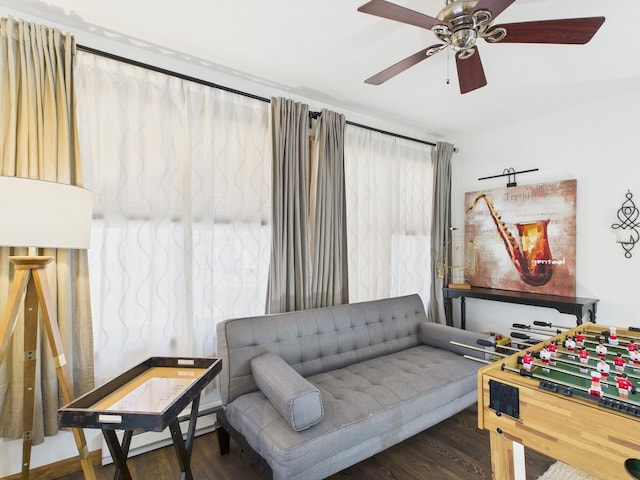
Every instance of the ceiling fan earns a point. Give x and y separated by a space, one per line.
459 25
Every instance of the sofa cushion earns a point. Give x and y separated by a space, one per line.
368 406
297 400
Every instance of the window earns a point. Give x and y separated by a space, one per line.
389 184
181 235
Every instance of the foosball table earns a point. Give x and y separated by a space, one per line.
570 395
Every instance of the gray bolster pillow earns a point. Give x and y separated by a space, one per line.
297 399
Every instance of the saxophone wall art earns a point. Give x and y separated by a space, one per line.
530 255
528 239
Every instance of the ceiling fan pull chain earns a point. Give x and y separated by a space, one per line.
448 56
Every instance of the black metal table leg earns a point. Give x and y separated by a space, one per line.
193 420
126 443
117 453
181 451
463 314
448 310
183 448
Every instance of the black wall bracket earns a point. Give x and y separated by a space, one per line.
511 174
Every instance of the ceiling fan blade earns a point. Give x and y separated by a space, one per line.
496 7
391 11
575 31
403 65
470 72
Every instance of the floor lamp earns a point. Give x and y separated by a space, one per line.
40 214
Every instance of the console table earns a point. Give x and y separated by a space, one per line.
571 305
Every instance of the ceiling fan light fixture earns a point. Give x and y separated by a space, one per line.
463 39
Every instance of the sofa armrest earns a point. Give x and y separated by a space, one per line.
440 336
297 399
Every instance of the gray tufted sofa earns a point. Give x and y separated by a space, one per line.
312 392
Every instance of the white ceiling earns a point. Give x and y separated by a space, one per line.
324 50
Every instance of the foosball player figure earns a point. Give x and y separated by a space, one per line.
545 358
632 345
583 353
527 361
570 345
595 389
634 356
579 338
624 385
619 362
613 336
603 367
553 350
601 350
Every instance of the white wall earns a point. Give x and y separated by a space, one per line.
599 145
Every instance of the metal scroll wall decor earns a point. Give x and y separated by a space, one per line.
627 230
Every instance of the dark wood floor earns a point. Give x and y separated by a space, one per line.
452 450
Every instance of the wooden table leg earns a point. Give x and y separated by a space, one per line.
50 323
501 457
29 374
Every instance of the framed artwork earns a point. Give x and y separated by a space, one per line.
523 238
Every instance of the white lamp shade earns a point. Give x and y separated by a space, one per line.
38 213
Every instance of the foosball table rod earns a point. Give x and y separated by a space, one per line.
597 333
551 385
476 359
572 362
489 343
551 325
591 349
543 331
478 349
525 338
569 372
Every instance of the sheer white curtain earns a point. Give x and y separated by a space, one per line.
389 182
181 239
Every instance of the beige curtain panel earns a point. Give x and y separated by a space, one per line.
39 140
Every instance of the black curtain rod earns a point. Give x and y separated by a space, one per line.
182 76
155 68
390 133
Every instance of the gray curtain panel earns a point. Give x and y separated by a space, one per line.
289 269
329 281
440 225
